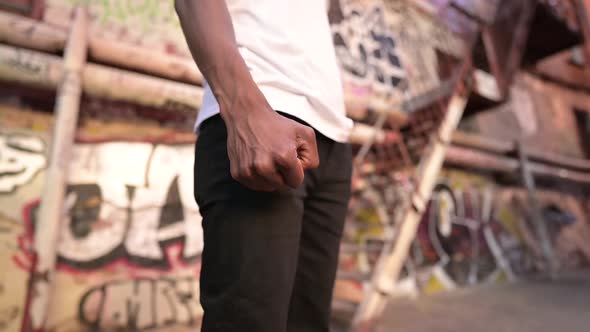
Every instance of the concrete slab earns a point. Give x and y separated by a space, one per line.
525 306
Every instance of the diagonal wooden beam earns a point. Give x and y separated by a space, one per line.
395 252
505 52
583 11
69 93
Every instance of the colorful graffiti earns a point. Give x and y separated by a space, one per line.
130 242
473 232
388 50
132 216
22 164
461 235
141 304
365 46
129 210
21 158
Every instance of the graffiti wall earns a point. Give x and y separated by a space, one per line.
130 244
148 23
388 49
22 161
474 231
366 47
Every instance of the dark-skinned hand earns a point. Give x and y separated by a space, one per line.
269 152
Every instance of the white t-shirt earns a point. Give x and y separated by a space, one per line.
287 46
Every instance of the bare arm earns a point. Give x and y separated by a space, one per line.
210 36
266 151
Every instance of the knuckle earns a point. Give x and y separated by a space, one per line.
284 156
310 132
234 171
244 173
263 166
235 174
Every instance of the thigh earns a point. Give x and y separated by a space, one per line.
325 208
251 242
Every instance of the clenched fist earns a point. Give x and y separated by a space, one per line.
269 152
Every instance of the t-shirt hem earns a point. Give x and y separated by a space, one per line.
284 102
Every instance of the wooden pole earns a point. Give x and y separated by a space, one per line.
481 160
538 220
583 11
142 59
24 32
30 67
500 146
363 133
51 211
470 150
389 266
45 71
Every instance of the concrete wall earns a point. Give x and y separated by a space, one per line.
540 112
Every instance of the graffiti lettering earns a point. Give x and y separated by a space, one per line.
365 47
460 234
132 209
21 158
26 62
141 304
470 233
128 201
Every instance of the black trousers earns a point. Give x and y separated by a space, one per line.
270 259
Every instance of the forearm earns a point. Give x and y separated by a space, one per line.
210 36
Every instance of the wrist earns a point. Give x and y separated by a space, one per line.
244 101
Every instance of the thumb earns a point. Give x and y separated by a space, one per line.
291 169
307 148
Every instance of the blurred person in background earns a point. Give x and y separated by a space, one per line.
272 167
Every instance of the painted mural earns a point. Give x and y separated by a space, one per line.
130 244
388 49
22 162
474 231
366 47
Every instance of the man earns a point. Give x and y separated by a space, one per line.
272 187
